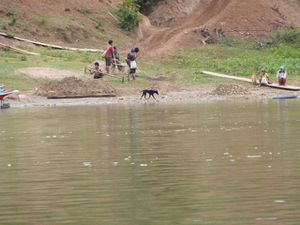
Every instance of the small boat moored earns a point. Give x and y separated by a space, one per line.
285 97
3 95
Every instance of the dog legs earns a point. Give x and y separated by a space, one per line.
152 96
144 95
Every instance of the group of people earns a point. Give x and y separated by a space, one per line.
281 76
113 61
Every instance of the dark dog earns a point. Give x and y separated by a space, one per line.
150 92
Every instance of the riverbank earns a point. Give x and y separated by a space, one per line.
183 95
178 77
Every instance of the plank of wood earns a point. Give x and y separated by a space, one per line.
50 45
83 96
285 87
19 50
227 76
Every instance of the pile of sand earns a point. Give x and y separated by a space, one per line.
232 89
75 87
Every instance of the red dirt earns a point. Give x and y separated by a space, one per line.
61 22
72 87
174 24
178 23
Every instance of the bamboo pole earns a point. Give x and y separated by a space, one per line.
50 45
19 50
227 76
113 76
277 86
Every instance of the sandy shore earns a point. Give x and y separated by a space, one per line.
183 96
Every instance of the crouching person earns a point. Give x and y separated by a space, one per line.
96 71
264 78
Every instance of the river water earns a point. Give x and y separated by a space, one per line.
213 163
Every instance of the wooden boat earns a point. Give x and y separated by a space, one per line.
284 87
4 94
285 97
248 80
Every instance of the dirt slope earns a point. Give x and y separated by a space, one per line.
173 24
178 23
75 23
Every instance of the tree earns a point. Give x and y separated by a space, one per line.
128 14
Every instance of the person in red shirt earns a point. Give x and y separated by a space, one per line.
109 56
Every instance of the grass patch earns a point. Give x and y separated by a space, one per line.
239 58
286 36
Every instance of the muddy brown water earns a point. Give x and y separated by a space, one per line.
213 163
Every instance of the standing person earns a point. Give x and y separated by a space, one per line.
282 75
108 55
116 59
131 62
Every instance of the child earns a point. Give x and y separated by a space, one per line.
131 62
96 71
116 60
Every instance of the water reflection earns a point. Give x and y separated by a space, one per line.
214 163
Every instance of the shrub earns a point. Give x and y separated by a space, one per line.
128 14
147 5
98 25
85 11
23 58
13 20
286 36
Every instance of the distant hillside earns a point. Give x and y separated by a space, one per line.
187 23
171 25
77 23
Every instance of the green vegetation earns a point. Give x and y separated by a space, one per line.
236 57
85 11
13 18
290 36
10 21
231 56
147 5
128 14
11 63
